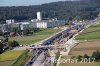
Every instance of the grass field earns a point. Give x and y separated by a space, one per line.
44 33
91 33
9 57
21 60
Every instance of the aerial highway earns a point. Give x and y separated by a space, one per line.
38 56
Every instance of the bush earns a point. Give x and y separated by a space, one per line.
73 57
86 56
96 55
79 57
12 44
16 44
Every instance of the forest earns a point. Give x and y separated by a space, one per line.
67 10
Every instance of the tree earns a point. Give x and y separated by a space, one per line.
6 39
86 56
1 47
79 57
10 44
15 44
26 31
96 55
67 10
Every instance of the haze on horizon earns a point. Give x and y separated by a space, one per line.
26 2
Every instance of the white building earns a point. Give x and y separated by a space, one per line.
3 28
34 24
41 25
39 16
48 23
11 21
24 25
21 25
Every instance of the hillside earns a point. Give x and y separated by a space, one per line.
69 10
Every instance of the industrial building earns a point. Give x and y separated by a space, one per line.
40 24
48 23
4 28
34 23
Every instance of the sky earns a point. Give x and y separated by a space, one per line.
25 2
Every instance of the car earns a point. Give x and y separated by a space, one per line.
30 63
32 45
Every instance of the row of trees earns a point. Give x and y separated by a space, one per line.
69 10
18 32
95 55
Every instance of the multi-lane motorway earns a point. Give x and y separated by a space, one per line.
40 49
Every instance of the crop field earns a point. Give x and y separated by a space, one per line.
81 49
43 34
86 48
9 57
91 33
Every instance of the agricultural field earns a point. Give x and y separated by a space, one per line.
91 33
92 37
9 57
85 48
81 49
43 34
